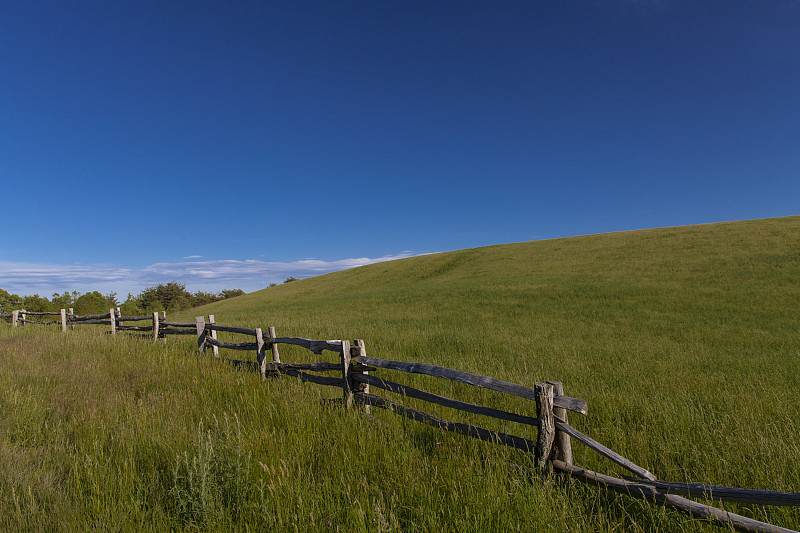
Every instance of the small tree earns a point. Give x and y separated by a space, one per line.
230 293
9 302
36 303
62 301
170 296
202 298
91 303
130 307
111 299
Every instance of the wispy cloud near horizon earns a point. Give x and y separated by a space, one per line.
249 274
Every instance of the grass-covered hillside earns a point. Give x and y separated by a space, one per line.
684 341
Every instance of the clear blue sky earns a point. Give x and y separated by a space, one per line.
223 144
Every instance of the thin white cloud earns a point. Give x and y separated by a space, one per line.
249 274
46 275
193 257
233 270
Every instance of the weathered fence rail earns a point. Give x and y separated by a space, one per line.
725 494
552 449
645 491
573 404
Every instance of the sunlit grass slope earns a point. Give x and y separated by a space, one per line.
685 342
693 314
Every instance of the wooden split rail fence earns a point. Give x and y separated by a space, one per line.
355 376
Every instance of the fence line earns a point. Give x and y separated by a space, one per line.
552 450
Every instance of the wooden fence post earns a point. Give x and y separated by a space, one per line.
63 320
347 382
155 326
276 357
14 318
200 324
261 356
562 444
22 316
547 426
214 349
360 350
72 314
113 316
164 319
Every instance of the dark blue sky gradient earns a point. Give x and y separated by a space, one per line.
277 131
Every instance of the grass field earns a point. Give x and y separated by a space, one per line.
684 341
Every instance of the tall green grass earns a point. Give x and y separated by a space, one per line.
120 434
684 341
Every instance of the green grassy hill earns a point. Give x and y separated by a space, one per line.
684 341
666 314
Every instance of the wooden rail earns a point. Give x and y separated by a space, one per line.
442 400
573 404
648 491
552 447
519 443
724 494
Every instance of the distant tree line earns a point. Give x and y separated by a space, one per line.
170 296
